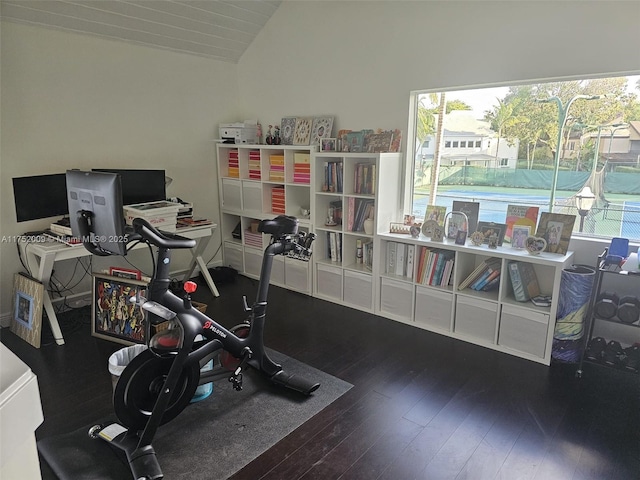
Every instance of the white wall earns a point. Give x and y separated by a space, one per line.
74 101
358 60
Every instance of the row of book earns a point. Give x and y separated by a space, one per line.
334 246
333 177
435 267
365 178
400 259
485 277
359 209
364 253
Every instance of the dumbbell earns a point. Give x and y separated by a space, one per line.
629 309
606 305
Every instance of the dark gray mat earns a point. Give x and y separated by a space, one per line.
211 439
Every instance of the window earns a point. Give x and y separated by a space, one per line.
539 144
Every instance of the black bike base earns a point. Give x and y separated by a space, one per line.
295 382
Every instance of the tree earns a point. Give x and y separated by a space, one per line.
502 118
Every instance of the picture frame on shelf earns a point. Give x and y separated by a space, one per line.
321 128
328 144
113 316
490 228
519 234
26 316
354 142
287 129
302 132
556 229
461 237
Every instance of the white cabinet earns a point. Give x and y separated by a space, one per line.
433 295
347 190
258 182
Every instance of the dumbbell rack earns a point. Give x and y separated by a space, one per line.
604 267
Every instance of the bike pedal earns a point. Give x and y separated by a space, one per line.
236 380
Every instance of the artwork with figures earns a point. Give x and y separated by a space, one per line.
556 229
26 319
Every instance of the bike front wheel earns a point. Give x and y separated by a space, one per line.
140 385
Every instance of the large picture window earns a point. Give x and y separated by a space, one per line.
568 147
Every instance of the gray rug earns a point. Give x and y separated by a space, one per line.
211 439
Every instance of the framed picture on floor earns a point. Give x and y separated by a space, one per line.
114 316
26 314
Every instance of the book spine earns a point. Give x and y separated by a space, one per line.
516 282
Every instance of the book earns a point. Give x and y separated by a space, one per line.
489 278
391 257
520 215
400 259
471 210
479 270
411 249
523 281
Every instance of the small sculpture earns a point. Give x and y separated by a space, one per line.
269 138
276 135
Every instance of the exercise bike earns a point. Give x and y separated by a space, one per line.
160 382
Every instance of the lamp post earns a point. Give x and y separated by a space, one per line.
614 127
562 119
584 202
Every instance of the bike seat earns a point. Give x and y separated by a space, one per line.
279 226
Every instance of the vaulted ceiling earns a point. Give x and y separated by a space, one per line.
221 30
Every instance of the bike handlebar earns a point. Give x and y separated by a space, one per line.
160 239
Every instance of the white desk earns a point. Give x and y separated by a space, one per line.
41 256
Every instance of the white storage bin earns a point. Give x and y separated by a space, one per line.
358 289
433 308
231 194
252 196
233 256
296 274
252 261
396 298
523 330
476 318
329 281
277 270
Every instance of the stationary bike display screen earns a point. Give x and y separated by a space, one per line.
96 197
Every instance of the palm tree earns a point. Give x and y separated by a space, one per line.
502 117
435 169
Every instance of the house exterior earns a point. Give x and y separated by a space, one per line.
620 147
469 141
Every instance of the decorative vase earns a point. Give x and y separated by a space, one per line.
368 226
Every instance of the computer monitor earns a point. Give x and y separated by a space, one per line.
140 186
40 196
95 211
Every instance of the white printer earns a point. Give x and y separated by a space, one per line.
240 132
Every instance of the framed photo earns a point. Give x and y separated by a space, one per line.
489 228
287 129
461 237
302 132
321 128
26 314
556 229
354 142
125 273
114 317
328 144
519 234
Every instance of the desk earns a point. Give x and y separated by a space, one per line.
41 256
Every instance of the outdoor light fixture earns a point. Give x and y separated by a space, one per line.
584 202
562 119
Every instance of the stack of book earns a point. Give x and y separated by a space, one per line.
276 168
301 168
162 215
277 200
254 165
435 267
61 227
234 167
485 277
252 239
365 178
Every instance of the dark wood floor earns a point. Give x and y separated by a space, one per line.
423 406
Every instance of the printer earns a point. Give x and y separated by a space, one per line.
240 132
